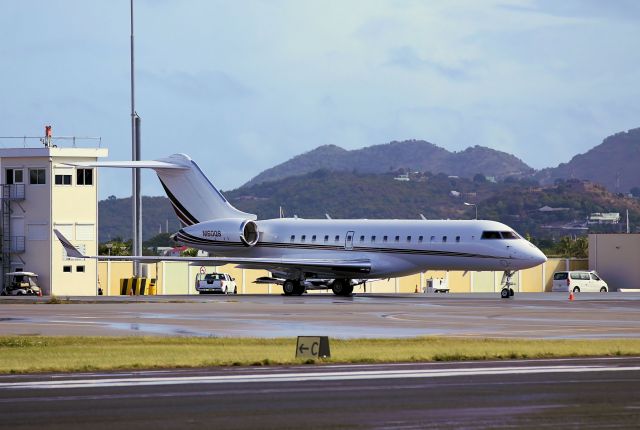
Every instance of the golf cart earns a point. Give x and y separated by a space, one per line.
21 284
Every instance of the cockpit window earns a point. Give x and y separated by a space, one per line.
491 235
499 235
508 235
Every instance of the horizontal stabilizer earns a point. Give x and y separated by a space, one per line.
150 164
71 250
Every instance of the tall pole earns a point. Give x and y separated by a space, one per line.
136 245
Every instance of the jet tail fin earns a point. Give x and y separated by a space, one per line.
71 250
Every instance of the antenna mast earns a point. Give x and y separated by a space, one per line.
136 199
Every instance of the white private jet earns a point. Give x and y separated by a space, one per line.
343 253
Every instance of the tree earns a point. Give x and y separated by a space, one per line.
479 178
565 246
568 247
115 247
580 248
162 239
189 252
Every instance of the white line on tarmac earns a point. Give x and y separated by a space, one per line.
310 376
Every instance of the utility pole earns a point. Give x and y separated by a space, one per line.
136 200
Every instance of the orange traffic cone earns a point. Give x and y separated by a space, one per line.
571 296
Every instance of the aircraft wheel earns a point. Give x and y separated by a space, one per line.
511 292
341 287
298 289
289 287
504 293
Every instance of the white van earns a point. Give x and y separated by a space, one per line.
578 281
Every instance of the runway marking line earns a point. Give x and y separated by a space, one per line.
312 376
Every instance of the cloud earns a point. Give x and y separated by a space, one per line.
406 57
210 86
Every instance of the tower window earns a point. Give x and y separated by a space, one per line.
37 177
444 239
457 238
14 176
63 179
84 177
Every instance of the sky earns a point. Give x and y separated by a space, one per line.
241 86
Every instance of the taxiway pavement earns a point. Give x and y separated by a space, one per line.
545 315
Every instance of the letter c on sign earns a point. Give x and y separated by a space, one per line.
314 348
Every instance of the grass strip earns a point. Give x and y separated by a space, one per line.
27 354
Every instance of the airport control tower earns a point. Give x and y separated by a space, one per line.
41 192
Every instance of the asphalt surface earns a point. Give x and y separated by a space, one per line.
543 315
570 393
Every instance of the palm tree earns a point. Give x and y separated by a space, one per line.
565 247
581 248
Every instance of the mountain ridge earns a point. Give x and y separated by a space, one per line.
613 163
619 152
397 155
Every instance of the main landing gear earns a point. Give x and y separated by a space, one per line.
342 287
292 287
507 291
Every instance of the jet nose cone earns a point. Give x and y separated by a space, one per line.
538 257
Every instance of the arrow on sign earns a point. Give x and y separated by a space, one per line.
303 348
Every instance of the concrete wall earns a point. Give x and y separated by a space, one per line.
616 257
179 278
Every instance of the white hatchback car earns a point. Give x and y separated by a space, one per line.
578 281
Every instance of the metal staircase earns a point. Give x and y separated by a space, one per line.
10 244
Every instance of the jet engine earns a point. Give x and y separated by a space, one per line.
223 231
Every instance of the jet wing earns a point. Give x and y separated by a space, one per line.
328 266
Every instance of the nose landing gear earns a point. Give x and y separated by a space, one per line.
507 291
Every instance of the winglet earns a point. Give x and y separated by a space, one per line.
71 250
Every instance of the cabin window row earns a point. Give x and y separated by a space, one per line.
372 239
314 238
